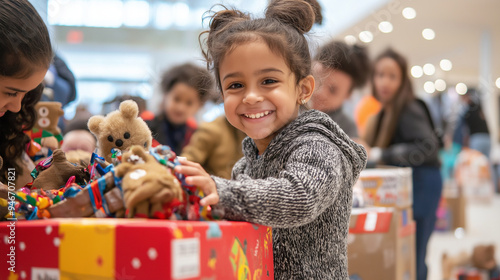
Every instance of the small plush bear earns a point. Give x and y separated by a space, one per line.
48 114
120 129
56 176
147 185
47 118
482 257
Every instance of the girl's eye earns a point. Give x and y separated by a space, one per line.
269 81
12 94
235 86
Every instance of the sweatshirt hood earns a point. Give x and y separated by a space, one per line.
311 121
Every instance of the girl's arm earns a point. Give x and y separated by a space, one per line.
309 183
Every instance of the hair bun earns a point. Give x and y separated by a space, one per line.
221 18
299 14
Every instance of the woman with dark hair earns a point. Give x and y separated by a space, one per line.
402 134
25 56
338 69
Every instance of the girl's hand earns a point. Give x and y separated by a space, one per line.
197 176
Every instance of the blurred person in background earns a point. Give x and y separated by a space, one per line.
25 56
472 128
216 145
339 69
366 108
185 88
60 83
403 134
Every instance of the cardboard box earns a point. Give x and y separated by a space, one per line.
451 213
387 187
473 176
381 244
137 249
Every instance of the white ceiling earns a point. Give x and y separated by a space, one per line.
460 27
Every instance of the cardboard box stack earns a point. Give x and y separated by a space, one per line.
381 243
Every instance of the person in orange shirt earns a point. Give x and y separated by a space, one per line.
367 107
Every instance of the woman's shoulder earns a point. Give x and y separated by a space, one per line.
415 109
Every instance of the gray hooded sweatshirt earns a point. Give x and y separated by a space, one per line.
301 186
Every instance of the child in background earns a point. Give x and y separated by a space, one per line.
339 69
185 88
298 170
25 57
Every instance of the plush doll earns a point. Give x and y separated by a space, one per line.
79 157
48 114
45 135
120 130
57 174
47 118
482 257
147 185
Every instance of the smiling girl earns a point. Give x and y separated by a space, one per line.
298 168
25 56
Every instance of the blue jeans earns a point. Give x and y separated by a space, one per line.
427 187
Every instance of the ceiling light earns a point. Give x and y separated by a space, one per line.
440 85
429 69
350 40
461 88
366 36
429 87
385 27
428 34
409 13
416 71
497 83
445 64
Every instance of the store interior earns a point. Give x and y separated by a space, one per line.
121 47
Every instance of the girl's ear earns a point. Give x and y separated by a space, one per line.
306 87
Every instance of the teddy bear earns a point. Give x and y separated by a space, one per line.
147 185
482 257
120 129
58 173
47 118
48 114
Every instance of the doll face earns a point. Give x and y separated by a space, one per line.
260 91
387 79
334 88
181 103
13 90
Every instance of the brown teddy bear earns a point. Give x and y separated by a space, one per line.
47 118
483 257
147 185
120 129
48 114
56 176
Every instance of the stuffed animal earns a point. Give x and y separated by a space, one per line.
482 257
45 135
147 185
120 129
48 114
57 174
